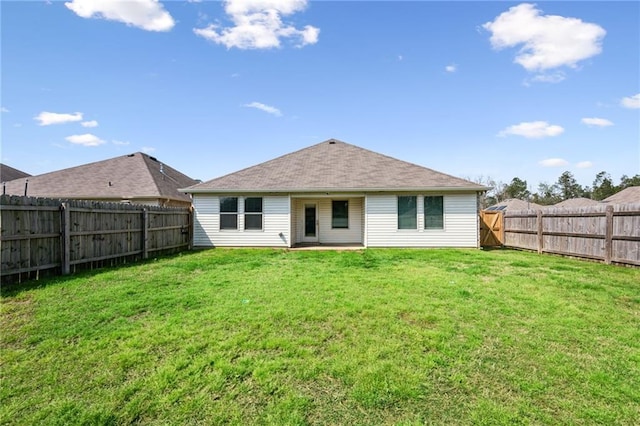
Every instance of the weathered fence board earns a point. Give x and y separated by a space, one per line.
44 235
609 233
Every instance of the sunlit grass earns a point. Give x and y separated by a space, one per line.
364 337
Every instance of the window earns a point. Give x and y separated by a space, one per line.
433 212
229 213
253 213
407 212
340 214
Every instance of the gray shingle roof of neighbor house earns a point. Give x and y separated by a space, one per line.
630 195
334 165
135 175
515 204
576 202
8 173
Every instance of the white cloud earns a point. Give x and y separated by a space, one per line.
451 68
631 101
548 41
554 162
400 57
584 165
120 143
258 25
533 130
47 118
91 123
85 140
555 77
148 149
3 109
598 122
149 15
266 108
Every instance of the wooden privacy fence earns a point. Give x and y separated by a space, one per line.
45 235
609 233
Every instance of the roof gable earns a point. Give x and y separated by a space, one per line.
129 176
334 165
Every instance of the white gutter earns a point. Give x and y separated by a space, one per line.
334 190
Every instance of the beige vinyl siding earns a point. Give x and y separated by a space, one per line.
275 221
352 234
460 223
327 235
205 219
293 221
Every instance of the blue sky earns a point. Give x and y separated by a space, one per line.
498 89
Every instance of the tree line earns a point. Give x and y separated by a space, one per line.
564 188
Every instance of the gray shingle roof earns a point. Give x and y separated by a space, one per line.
129 176
515 204
334 165
630 195
8 173
576 202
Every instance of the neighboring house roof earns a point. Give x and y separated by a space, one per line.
132 176
515 204
334 165
576 202
8 173
630 195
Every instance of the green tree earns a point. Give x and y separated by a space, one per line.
547 194
517 189
603 186
568 187
494 194
626 181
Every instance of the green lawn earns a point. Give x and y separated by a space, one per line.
304 337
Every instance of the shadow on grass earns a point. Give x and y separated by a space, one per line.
13 289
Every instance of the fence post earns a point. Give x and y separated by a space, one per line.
608 235
145 234
66 239
191 218
540 236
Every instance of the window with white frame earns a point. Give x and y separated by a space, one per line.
253 213
434 212
407 212
228 212
339 214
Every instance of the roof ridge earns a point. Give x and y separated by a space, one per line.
346 167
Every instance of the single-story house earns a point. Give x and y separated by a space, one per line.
134 178
335 193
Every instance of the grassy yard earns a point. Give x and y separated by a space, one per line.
365 337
